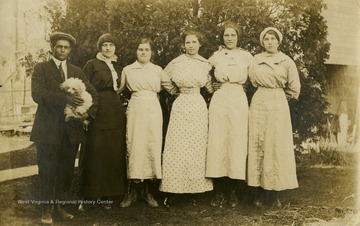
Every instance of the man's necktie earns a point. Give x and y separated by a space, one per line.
62 73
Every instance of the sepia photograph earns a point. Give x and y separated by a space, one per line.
180 112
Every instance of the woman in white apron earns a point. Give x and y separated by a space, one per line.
144 123
228 118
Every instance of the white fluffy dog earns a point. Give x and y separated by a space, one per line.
75 87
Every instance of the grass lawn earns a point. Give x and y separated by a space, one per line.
326 194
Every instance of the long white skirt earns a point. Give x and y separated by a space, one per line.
184 154
144 136
228 133
271 160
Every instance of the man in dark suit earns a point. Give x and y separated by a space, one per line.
57 141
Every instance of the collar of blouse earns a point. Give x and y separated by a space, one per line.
275 58
101 57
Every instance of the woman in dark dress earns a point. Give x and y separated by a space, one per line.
102 162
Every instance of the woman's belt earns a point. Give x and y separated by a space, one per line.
144 93
188 90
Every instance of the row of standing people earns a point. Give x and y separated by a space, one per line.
201 145
226 144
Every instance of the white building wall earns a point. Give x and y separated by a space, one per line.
343 20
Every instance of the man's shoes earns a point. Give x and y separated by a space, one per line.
81 208
63 214
46 217
106 206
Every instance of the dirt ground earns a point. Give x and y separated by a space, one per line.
327 196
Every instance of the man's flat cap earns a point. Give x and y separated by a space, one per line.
61 35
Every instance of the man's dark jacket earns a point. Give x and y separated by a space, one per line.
49 124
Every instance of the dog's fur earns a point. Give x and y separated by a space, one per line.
75 87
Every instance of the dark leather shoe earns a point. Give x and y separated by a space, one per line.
258 203
276 203
129 198
46 217
218 200
233 199
149 198
63 214
81 208
106 206
168 202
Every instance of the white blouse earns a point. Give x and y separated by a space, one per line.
151 77
231 65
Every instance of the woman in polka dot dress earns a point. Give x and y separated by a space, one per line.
184 155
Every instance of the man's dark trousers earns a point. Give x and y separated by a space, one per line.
56 167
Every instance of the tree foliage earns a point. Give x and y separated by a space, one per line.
301 23
29 61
